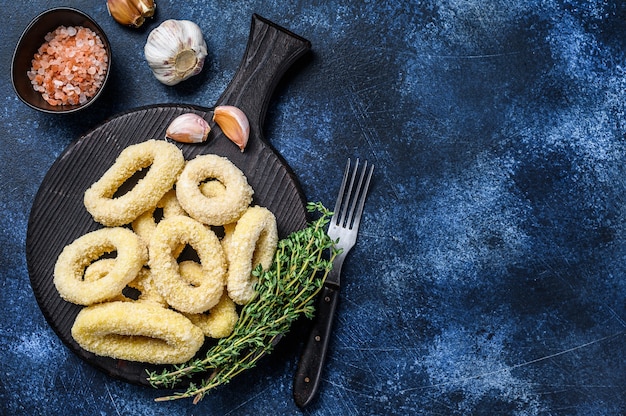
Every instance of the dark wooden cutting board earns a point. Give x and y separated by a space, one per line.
58 215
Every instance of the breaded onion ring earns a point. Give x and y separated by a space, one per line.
137 331
145 224
229 229
252 242
165 160
219 321
70 267
212 189
143 283
215 210
100 268
178 293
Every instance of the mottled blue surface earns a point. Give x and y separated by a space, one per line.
490 273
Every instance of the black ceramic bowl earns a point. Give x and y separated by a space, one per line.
32 38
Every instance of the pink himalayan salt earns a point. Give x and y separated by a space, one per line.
70 66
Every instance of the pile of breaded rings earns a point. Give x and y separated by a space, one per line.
176 303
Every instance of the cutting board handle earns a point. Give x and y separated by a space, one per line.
270 51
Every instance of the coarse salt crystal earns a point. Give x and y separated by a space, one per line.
71 56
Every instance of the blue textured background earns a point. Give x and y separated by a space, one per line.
489 277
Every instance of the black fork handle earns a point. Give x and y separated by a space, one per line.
308 375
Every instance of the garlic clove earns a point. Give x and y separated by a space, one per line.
234 124
131 12
146 7
175 51
188 128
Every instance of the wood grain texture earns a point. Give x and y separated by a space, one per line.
58 215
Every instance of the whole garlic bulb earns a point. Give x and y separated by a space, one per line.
175 51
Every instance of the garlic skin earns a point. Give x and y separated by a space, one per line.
175 51
131 12
188 128
146 7
234 124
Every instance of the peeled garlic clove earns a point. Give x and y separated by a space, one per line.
234 124
131 12
175 51
188 128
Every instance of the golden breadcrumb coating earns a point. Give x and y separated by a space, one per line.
253 242
180 294
165 160
145 224
69 269
177 304
219 321
219 209
137 331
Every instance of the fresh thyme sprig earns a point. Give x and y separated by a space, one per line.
285 292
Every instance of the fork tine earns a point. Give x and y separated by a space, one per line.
338 213
343 222
352 195
350 202
359 197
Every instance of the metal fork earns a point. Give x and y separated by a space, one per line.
343 227
344 224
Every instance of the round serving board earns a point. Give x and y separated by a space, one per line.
58 215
